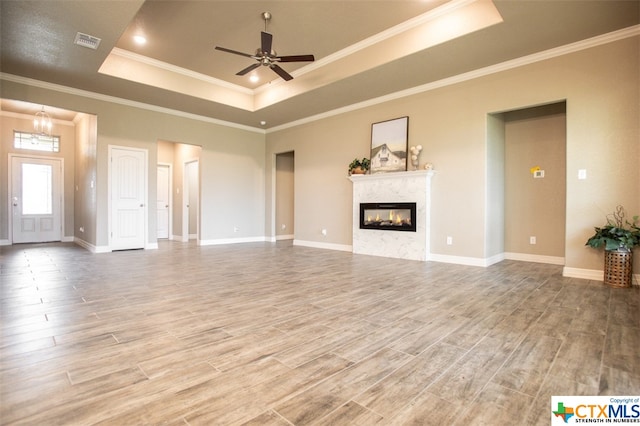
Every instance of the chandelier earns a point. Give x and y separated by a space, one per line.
42 123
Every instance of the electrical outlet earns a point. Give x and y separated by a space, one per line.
449 241
324 232
532 240
283 227
236 229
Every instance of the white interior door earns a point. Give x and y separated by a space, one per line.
36 199
128 194
162 203
191 201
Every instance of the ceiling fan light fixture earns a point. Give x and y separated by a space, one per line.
254 78
42 123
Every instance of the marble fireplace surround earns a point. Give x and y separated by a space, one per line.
400 187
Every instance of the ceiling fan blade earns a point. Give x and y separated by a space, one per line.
282 73
248 69
296 58
235 52
266 42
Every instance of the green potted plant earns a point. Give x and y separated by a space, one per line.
359 166
618 237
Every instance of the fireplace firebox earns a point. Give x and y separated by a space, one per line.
388 216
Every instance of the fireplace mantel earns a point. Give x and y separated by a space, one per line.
410 186
394 175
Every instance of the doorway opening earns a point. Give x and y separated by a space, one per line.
527 183
178 185
284 197
191 202
164 201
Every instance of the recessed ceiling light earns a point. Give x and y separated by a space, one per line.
262 123
139 39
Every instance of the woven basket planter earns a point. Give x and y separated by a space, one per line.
617 268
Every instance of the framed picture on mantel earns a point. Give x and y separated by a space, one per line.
389 142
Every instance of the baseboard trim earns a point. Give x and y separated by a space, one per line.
494 259
536 258
328 246
284 237
151 246
5 243
594 275
93 249
461 260
584 274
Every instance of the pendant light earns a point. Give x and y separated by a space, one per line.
42 123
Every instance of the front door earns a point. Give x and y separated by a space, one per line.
36 199
128 194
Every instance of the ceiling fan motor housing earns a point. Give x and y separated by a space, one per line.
266 56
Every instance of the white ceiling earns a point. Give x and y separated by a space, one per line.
363 49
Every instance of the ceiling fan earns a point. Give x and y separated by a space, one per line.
266 56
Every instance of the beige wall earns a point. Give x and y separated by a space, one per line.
601 88
285 187
232 161
85 205
66 131
535 137
495 216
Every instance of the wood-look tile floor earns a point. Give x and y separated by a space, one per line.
275 334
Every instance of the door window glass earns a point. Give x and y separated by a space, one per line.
37 189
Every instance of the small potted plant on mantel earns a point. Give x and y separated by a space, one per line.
359 166
618 237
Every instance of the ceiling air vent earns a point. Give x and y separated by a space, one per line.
86 40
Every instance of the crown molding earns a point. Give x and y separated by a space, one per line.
504 66
179 70
481 72
23 116
121 101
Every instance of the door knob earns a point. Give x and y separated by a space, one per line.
141 205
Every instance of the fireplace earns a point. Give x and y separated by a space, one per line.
399 187
388 216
